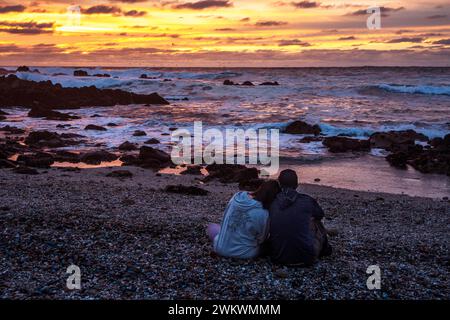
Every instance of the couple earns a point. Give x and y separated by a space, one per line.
276 221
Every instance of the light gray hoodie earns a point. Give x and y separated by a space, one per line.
244 228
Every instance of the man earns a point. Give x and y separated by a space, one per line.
297 235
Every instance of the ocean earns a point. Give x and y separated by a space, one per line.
354 102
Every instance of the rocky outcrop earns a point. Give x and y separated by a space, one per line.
80 73
396 141
24 93
12 130
93 127
36 160
48 139
49 114
301 127
193 170
248 84
127 146
344 144
139 133
269 83
152 141
153 158
229 83
97 157
23 69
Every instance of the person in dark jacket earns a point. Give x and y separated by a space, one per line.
297 235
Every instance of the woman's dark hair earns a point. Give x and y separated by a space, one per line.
266 193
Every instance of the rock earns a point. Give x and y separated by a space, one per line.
301 127
66 156
317 180
128 146
193 170
187 190
120 174
25 93
129 160
398 160
7 164
48 114
143 76
247 83
139 133
343 144
23 69
111 124
43 138
97 157
12 130
229 83
153 158
270 83
25 170
100 75
95 128
250 185
310 139
96 116
80 73
231 173
281 274
36 160
396 141
152 141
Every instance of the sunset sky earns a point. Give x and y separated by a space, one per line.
188 33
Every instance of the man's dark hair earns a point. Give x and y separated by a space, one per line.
288 179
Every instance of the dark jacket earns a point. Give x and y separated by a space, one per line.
291 239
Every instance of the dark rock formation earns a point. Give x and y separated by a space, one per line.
128 146
275 83
24 93
229 83
80 73
48 139
152 141
25 170
95 127
248 83
97 157
396 141
343 144
193 170
139 133
301 127
37 160
12 130
23 69
48 114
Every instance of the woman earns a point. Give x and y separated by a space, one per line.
245 223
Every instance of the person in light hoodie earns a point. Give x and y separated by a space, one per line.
245 223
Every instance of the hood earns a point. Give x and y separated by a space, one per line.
244 201
287 197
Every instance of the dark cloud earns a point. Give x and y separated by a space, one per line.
384 11
305 4
30 27
15 8
412 39
347 38
224 29
442 41
438 16
270 23
135 13
294 42
102 9
204 4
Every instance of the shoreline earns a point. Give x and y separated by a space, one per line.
132 240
